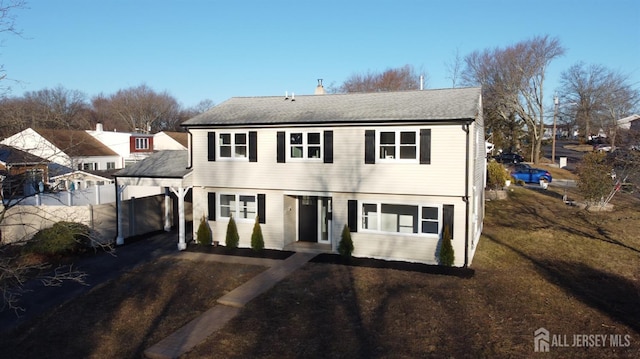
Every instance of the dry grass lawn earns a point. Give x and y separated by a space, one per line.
539 263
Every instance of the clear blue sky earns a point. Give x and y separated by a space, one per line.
196 49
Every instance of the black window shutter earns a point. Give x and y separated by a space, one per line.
211 206
352 220
370 146
261 209
211 146
425 146
447 218
253 146
281 147
328 146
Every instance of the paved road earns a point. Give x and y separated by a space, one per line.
573 157
99 269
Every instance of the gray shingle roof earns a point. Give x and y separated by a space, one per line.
430 105
162 164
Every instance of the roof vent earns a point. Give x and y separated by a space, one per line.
286 95
293 96
320 89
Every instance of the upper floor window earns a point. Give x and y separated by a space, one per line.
111 165
233 145
397 145
142 143
305 145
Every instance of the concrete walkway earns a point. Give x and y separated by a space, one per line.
229 305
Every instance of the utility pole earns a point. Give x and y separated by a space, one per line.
553 140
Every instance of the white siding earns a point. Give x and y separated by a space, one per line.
347 173
442 182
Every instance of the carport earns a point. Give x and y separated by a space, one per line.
166 169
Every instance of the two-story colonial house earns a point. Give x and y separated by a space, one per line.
395 167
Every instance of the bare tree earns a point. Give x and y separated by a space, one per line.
59 108
513 79
601 96
454 68
140 108
398 79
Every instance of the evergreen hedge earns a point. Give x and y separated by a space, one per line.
232 240
447 256
257 241
203 235
345 248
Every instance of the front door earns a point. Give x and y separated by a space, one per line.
308 219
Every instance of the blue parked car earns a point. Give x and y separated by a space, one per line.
531 175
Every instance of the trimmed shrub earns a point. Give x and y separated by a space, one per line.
447 256
257 241
232 240
203 235
60 239
496 175
345 248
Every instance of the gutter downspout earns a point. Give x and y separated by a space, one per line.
465 128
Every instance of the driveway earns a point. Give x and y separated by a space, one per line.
99 268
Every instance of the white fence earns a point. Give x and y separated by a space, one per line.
89 196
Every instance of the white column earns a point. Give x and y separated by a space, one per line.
182 243
119 190
167 210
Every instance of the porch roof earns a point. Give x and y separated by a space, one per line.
163 168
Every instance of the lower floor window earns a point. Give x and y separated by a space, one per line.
238 206
400 218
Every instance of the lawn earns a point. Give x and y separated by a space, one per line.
539 263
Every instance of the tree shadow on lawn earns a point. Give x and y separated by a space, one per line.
614 295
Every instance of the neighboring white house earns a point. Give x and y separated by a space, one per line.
132 147
69 149
630 122
396 168
168 140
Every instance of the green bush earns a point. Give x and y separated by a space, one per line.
257 241
60 239
594 177
447 256
203 235
232 240
345 248
496 175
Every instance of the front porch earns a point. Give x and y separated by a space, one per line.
308 247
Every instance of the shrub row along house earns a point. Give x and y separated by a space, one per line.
395 167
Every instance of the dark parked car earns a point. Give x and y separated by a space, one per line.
509 158
531 175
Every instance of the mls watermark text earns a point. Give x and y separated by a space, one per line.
543 340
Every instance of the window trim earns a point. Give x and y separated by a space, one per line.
305 146
237 196
233 157
420 206
397 145
141 143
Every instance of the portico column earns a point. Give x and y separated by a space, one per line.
167 210
181 192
